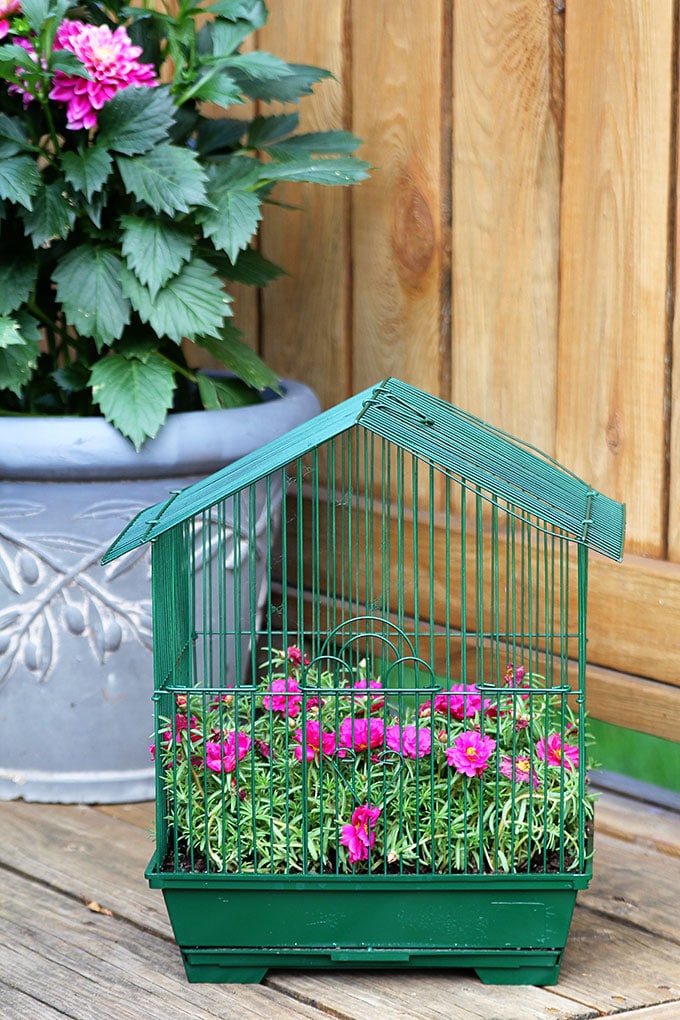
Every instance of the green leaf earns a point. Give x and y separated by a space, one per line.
251 268
17 364
73 378
234 354
253 11
19 180
219 135
17 278
13 137
64 60
326 143
264 130
191 304
260 65
87 169
136 119
298 83
133 395
343 170
217 88
233 223
89 288
9 332
226 36
35 12
154 250
167 178
217 394
13 56
52 216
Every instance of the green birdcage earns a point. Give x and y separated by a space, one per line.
370 719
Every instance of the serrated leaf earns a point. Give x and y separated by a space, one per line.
233 223
64 60
251 268
219 89
219 135
154 250
89 288
218 394
227 35
190 305
230 350
19 180
17 364
9 332
341 171
87 169
13 137
136 119
13 56
253 11
265 130
133 395
52 215
320 143
17 277
258 64
299 82
72 378
167 178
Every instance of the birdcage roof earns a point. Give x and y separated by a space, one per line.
431 429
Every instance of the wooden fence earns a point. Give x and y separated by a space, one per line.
515 251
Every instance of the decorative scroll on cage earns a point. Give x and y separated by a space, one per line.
370 651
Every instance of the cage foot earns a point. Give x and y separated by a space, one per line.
523 975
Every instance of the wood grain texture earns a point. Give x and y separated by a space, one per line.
673 552
611 418
507 110
399 257
305 325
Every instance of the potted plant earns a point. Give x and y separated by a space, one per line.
126 207
454 817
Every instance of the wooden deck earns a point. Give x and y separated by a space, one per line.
82 936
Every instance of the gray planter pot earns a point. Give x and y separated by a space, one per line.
75 636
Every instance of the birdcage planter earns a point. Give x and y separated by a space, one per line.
397 775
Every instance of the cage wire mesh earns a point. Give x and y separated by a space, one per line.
392 684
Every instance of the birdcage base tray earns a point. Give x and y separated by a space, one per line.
510 929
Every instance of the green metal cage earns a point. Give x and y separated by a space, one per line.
370 653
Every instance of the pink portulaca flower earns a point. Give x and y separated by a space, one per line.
361 734
222 757
284 696
557 753
359 836
316 742
461 701
112 62
295 656
519 770
470 753
8 8
411 741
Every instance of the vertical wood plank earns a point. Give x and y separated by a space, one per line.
611 415
305 318
399 263
507 112
673 551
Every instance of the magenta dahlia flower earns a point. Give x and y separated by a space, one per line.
8 8
112 62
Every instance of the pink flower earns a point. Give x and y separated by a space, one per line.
316 741
112 62
470 753
223 757
520 771
460 701
375 702
295 656
411 741
361 734
284 696
8 8
557 753
358 836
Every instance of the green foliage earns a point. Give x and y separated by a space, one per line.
119 235
276 778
